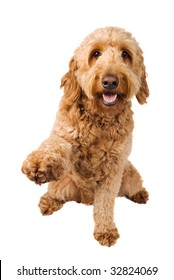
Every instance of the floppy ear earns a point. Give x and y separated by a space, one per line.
143 93
69 82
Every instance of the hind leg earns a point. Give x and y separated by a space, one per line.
131 186
49 205
58 193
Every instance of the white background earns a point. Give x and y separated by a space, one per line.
37 41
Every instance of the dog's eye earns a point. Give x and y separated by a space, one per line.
125 54
93 57
96 54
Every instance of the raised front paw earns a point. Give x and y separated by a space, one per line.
42 166
107 238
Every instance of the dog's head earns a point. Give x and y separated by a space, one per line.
107 68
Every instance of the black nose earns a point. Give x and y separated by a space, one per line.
110 82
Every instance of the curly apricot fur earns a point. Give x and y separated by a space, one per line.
85 159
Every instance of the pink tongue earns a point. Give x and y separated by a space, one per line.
109 98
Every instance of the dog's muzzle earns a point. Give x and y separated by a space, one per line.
109 83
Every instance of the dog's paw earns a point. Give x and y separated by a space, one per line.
42 166
48 205
140 197
107 238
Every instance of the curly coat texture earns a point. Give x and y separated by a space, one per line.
85 159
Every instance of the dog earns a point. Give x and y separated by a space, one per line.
85 158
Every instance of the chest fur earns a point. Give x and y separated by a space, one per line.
97 155
99 144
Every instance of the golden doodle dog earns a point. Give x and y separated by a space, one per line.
85 159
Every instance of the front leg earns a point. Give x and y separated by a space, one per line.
49 162
105 230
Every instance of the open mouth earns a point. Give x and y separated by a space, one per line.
109 98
